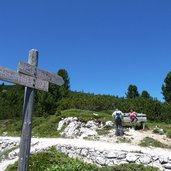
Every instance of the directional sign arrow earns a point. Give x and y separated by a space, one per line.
34 71
28 81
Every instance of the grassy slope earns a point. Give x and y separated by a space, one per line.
47 126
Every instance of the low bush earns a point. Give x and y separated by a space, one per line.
168 134
147 141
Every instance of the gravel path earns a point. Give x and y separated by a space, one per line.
44 143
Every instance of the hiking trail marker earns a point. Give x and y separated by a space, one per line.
32 77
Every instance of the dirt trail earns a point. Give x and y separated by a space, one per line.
137 136
134 136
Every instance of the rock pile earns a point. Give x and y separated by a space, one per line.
73 127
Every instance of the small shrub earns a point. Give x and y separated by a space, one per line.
124 140
168 134
103 131
147 141
158 131
58 112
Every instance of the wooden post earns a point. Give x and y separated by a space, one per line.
28 108
32 78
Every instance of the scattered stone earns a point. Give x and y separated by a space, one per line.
131 157
167 166
163 159
145 159
109 124
111 155
84 152
101 161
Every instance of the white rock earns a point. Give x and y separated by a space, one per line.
145 159
111 155
12 155
156 164
100 160
84 152
66 121
87 132
121 155
109 124
163 159
131 157
92 125
167 166
71 130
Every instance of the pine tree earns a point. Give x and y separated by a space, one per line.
132 91
145 94
166 88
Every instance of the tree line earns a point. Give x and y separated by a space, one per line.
61 97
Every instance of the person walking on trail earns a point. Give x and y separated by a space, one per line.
118 116
133 117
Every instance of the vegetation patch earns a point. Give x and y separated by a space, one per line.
168 134
12 127
158 131
103 131
124 140
147 141
86 115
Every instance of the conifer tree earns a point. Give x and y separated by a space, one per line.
145 94
166 88
132 91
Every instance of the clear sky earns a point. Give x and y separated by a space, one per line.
105 45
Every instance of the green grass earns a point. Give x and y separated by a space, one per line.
55 161
124 140
147 141
87 115
168 133
11 126
47 126
162 125
103 131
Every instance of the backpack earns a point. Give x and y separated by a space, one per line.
118 115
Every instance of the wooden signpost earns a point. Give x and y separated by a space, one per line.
25 80
40 74
32 77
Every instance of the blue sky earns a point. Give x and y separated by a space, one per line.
104 45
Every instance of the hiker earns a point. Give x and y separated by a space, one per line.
118 116
133 116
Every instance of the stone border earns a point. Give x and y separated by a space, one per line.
113 157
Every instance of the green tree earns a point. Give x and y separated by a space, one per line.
65 88
166 88
145 94
47 103
132 91
59 92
